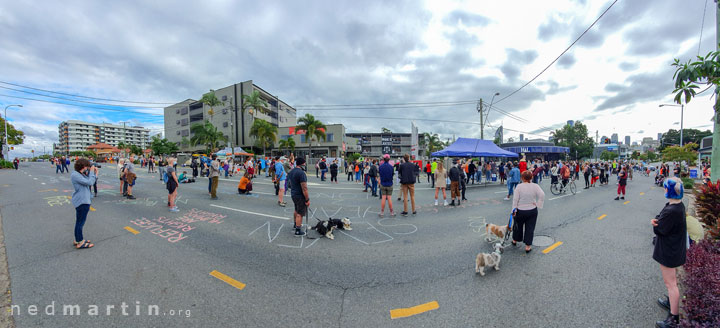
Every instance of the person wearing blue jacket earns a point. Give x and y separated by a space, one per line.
84 176
513 179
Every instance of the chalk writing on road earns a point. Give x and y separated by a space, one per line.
174 229
57 200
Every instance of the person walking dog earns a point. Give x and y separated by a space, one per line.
527 198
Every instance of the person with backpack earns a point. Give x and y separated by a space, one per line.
372 177
129 176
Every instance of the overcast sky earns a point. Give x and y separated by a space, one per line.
361 52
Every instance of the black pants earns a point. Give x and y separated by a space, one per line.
333 177
524 227
463 188
587 180
95 187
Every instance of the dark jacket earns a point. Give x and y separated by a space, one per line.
454 174
333 168
671 236
407 173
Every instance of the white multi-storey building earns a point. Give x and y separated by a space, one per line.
78 135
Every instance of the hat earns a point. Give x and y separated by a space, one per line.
386 156
299 161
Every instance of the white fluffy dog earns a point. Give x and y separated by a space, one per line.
496 231
488 260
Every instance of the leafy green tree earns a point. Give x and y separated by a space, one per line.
163 146
386 130
672 137
635 155
15 136
432 142
207 134
185 141
264 132
254 103
288 143
136 150
314 129
703 71
608 155
685 153
576 138
497 140
211 101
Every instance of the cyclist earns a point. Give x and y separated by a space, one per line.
565 175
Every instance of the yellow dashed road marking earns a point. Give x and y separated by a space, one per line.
642 193
92 209
553 246
602 216
411 311
626 202
227 279
133 231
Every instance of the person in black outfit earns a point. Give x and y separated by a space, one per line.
471 173
333 172
670 247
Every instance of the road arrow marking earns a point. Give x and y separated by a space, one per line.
411 311
227 279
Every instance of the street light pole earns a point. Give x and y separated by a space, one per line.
6 147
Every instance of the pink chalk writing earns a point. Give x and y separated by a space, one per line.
173 229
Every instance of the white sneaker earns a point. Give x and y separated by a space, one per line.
506 198
436 202
445 203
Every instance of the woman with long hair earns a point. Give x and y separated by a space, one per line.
82 179
440 183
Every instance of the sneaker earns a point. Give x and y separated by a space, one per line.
299 232
436 202
130 197
392 214
670 322
445 203
282 204
617 198
506 198
451 203
381 215
414 212
403 213
623 197
174 209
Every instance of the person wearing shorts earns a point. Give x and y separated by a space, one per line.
172 185
299 194
386 185
280 178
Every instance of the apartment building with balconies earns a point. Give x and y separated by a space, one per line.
78 135
229 118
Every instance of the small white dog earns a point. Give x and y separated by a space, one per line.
488 260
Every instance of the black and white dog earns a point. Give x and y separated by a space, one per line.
326 228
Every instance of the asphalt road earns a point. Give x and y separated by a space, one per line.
602 275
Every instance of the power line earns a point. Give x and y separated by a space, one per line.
702 26
86 97
85 106
80 101
393 104
558 57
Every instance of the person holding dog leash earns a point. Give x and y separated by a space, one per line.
527 198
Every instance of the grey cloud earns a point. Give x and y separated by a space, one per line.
511 72
567 60
521 57
555 88
550 29
626 66
639 87
466 18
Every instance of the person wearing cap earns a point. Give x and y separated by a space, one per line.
280 178
386 185
299 194
670 228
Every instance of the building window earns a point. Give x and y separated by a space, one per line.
184 122
302 138
177 122
329 137
178 132
185 133
225 124
183 111
224 111
285 137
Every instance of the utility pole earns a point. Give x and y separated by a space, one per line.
480 110
715 157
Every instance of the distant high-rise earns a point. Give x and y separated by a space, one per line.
522 137
571 123
614 138
659 136
627 140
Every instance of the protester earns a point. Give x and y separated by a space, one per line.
350 170
463 184
372 178
280 179
622 182
82 178
183 178
129 176
471 172
245 185
333 171
120 165
527 198
172 184
670 230
215 176
386 173
454 175
323 168
512 180
299 193
407 184
440 175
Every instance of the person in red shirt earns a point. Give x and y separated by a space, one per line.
428 171
523 165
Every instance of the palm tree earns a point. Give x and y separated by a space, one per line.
433 142
207 134
288 143
313 129
210 100
255 101
264 132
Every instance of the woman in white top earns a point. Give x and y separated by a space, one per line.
527 198
120 164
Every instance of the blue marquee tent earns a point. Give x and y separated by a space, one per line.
466 147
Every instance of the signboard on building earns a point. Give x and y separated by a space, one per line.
413 140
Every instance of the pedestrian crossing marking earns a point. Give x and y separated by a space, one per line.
411 311
227 279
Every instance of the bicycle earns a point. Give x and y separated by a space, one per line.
555 190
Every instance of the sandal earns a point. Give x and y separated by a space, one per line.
75 243
86 244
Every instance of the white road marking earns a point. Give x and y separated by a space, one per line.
248 212
558 197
